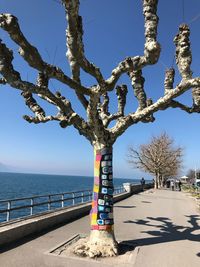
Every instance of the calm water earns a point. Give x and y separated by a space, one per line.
18 185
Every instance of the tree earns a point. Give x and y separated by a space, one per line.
101 128
192 175
159 157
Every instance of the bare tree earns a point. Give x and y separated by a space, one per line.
95 100
159 157
192 175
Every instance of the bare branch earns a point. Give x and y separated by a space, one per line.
196 97
33 105
105 104
138 86
30 54
149 118
164 101
46 98
66 115
160 104
135 160
12 77
176 104
40 115
37 120
151 47
103 109
3 81
75 45
10 24
6 67
183 52
42 80
121 92
169 79
184 59
72 53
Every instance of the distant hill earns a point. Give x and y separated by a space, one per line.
3 167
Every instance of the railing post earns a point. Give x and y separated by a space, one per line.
8 212
82 195
127 187
31 206
62 201
49 204
73 200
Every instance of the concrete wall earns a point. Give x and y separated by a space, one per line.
16 230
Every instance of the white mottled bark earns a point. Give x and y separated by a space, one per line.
100 244
169 80
102 240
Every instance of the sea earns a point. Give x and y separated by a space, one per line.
19 185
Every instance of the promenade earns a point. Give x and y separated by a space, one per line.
162 226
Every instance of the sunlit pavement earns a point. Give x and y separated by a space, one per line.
163 226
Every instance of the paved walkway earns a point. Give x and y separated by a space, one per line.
163 225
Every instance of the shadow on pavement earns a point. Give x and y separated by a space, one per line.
167 231
31 237
125 207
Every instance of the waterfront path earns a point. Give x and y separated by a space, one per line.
164 227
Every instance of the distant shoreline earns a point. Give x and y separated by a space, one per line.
63 175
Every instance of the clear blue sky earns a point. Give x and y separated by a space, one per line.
113 30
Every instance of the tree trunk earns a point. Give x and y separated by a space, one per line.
156 182
159 181
102 240
163 181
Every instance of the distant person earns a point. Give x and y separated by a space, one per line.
172 185
179 185
142 183
168 184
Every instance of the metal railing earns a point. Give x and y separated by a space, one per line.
45 203
49 202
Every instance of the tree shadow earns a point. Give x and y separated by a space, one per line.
125 207
167 231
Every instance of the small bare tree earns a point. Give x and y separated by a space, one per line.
95 100
159 157
192 175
